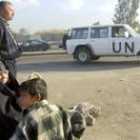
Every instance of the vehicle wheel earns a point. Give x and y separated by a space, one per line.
95 57
83 54
43 49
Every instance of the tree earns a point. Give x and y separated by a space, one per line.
119 15
126 12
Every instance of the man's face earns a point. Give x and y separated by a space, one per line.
8 12
4 76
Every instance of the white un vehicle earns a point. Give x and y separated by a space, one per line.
93 42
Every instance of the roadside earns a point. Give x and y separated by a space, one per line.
51 51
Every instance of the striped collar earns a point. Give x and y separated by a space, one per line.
4 21
38 104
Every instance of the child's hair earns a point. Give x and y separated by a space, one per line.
34 86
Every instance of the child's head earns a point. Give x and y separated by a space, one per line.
32 91
4 73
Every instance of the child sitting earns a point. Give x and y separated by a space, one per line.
44 121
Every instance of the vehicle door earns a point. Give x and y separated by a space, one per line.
99 40
42 45
26 46
78 36
120 44
36 45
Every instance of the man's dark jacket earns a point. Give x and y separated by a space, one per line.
9 49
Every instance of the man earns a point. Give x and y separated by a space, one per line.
64 39
9 49
116 32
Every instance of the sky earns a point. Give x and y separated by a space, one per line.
39 15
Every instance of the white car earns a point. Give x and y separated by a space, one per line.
93 42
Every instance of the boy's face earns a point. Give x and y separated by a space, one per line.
26 100
4 76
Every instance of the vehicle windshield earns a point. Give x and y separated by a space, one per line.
131 30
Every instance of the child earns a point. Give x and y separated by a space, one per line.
10 111
44 121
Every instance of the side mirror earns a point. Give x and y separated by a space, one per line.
126 33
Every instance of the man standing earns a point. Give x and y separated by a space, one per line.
9 49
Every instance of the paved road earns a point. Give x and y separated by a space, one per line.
61 62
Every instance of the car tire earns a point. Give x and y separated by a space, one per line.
45 49
83 54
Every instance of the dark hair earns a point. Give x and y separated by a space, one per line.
4 3
34 86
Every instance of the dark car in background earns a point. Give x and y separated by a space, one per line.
34 45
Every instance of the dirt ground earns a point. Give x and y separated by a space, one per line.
116 91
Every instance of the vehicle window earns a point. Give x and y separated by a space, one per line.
37 42
34 42
31 42
81 33
26 44
118 32
99 32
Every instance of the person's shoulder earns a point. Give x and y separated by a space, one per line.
52 109
41 108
